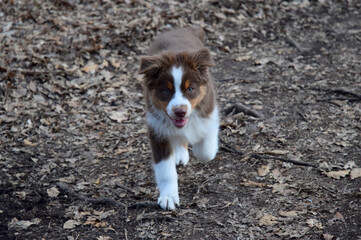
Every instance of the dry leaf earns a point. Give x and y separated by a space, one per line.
276 174
118 116
355 173
243 58
53 192
337 174
32 87
279 188
90 68
27 142
277 152
267 220
264 170
115 62
288 214
349 165
339 217
220 16
92 220
326 236
314 223
22 224
250 183
70 224
104 238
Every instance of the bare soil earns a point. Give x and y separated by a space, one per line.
74 157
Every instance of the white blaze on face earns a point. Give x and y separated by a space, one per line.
178 100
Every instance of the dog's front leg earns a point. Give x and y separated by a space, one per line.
164 164
166 178
206 149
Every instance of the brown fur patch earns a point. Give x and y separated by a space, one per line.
187 84
202 92
170 86
161 148
208 103
178 40
159 103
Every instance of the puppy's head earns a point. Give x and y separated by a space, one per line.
176 82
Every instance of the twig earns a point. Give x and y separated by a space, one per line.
262 156
102 200
29 71
355 97
207 181
302 116
226 79
293 43
296 162
329 101
125 187
346 92
239 107
159 217
146 204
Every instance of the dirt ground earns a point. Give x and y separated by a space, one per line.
74 156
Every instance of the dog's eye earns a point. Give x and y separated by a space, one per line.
190 89
165 90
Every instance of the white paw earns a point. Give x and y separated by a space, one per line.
168 201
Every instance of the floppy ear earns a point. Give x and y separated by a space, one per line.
151 67
203 58
148 64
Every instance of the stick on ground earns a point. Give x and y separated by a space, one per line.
228 148
239 107
108 201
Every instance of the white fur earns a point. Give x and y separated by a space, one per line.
166 178
181 153
206 149
178 98
196 129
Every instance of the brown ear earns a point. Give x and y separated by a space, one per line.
203 58
150 67
147 64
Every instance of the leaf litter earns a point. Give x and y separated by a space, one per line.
71 111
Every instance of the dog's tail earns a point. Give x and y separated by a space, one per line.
197 31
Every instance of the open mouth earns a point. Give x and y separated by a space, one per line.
180 122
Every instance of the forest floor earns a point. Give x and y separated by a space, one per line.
74 156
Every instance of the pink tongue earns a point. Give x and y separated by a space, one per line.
179 123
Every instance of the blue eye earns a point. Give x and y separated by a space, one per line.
190 89
165 90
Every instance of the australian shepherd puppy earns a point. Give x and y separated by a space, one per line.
181 106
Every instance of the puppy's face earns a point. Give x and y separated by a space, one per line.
176 83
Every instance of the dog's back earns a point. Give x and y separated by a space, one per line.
178 40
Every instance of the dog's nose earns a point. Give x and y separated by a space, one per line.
180 112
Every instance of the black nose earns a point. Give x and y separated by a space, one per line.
180 112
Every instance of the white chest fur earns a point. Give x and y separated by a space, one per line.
196 129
